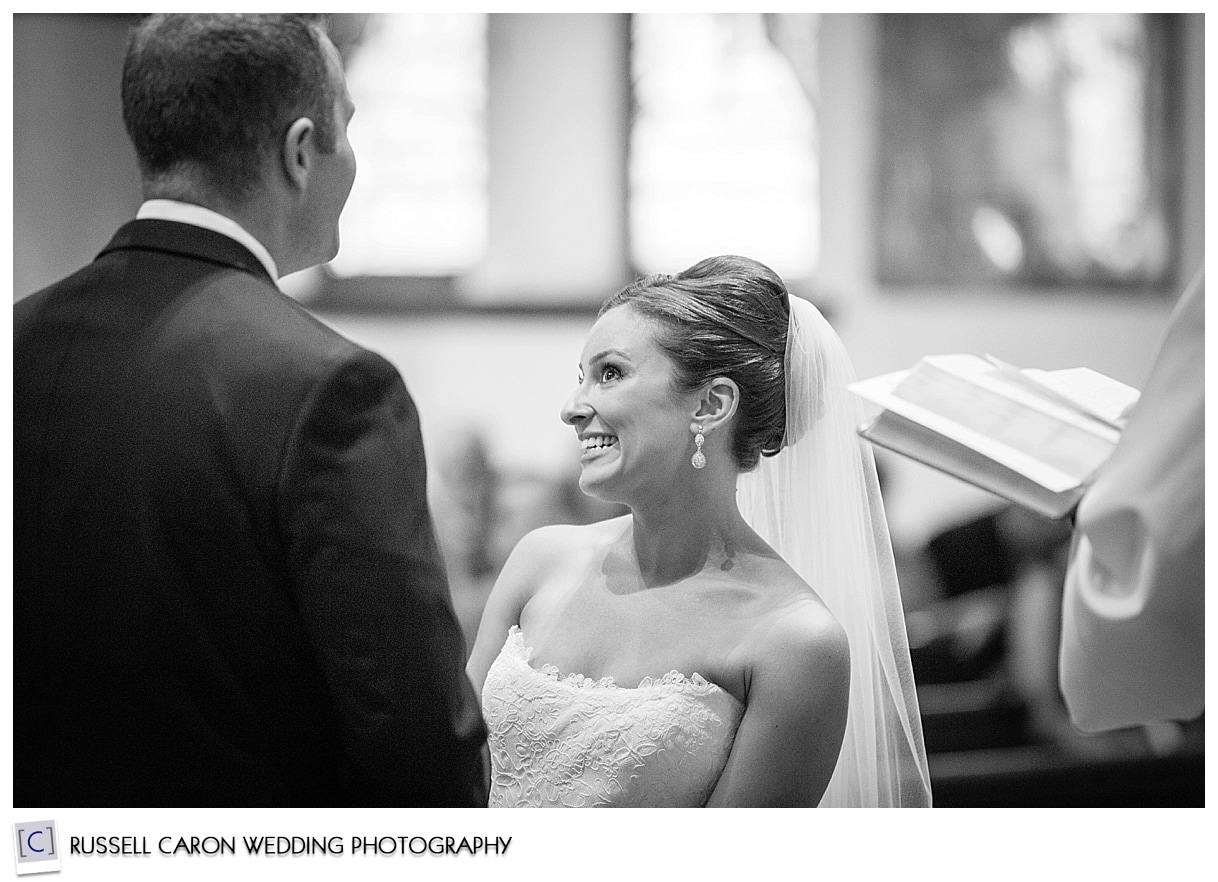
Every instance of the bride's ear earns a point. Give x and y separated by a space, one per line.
716 405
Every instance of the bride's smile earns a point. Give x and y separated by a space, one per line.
595 443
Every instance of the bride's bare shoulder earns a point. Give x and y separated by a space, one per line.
801 638
561 541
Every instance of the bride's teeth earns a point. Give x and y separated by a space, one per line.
598 442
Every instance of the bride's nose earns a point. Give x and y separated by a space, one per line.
576 408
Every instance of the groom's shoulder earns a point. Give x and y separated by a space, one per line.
281 336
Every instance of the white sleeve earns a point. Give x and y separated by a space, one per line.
1133 615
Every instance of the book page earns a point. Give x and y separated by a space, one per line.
996 377
1007 418
1053 427
1023 460
1102 395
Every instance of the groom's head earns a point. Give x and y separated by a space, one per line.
233 111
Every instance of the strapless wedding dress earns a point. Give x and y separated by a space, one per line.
574 741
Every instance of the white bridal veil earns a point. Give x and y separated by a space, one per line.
817 502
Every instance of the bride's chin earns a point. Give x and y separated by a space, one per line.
590 486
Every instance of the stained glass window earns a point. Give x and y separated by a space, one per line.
1026 149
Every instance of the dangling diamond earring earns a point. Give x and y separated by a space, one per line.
699 458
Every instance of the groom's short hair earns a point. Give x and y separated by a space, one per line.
212 95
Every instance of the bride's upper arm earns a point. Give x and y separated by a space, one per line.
516 583
787 744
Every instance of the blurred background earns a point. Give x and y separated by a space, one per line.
1029 186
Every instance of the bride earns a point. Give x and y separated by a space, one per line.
738 638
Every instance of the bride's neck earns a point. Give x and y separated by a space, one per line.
679 537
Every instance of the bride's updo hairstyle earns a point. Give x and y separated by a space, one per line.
724 317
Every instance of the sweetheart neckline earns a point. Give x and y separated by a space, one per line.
694 682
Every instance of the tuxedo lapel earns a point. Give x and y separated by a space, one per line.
186 240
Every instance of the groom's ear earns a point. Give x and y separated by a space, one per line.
717 404
296 152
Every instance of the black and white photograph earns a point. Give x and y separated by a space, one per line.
421 412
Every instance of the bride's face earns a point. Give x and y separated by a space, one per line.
633 423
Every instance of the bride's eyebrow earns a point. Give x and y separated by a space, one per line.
606 353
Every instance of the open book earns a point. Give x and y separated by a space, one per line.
1030 436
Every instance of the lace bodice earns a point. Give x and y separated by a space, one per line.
574 741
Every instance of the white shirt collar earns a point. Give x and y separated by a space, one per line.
197 215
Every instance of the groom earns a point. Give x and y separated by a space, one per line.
226 586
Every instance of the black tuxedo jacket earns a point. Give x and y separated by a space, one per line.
227 590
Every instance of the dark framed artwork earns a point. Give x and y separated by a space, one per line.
1028 150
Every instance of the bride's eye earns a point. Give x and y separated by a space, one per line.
609 373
